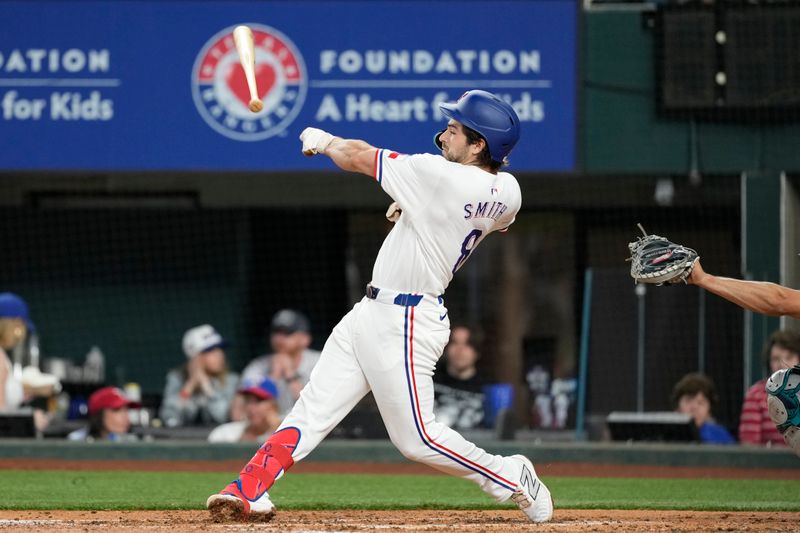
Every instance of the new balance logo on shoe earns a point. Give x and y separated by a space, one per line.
527 480
531 495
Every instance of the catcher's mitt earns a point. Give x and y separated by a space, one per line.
658 260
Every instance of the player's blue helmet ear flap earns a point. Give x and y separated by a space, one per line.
490 116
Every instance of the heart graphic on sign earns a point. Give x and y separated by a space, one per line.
237 81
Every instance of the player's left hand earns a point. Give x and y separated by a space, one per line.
315 141
658 260
394 212
697 274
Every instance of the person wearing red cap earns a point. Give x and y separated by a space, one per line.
261 415
108 417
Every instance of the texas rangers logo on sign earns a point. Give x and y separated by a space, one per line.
220 92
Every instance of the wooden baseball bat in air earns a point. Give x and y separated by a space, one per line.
243 37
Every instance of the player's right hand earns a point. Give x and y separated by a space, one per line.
315 141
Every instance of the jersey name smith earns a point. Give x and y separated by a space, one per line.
493 210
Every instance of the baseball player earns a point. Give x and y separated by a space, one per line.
390 341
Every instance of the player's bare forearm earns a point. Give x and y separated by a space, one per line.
758 296
352 155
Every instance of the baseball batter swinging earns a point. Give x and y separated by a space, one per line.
390 341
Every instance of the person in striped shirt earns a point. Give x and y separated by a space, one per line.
755 426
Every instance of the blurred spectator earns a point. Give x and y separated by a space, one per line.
458 389
551 400
261 416
39 388
291 361
755 426
696 395
108 417
15 322
201 392
238 403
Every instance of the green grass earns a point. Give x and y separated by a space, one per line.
39 489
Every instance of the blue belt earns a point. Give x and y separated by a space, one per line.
406 299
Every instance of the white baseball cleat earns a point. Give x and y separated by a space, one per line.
231 504
531 496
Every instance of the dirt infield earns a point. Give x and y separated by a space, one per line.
400 521
311 467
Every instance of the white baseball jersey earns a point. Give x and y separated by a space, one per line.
390 341
448 209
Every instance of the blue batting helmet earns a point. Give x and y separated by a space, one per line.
490 116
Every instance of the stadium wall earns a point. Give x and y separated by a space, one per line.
691 455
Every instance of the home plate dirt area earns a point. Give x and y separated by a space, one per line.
400 521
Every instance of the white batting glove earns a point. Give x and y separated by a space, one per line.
394 212
315 141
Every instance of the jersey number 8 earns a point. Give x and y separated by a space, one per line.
466 248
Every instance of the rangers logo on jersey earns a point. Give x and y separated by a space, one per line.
220 92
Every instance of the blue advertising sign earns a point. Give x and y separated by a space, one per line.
157 85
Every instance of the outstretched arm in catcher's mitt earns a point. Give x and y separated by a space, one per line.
658 260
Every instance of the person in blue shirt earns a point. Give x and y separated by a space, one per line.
696 395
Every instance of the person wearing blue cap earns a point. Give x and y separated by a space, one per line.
261 415
15 322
